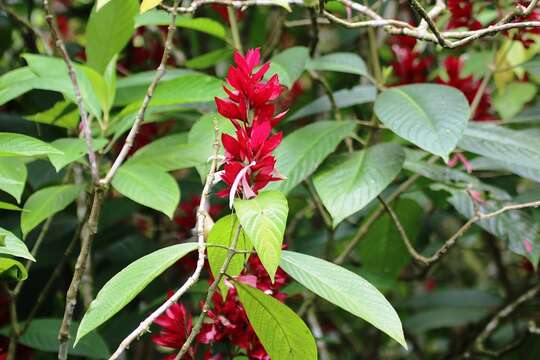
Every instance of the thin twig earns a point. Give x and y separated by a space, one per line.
427 18
201 220
492 325
85 122
211 291
160 72
88 233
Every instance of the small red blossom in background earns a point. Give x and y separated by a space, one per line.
186 215
410 66
461 15
468 85
222 10
176 324
249 163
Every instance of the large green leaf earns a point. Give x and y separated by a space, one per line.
263 219
289 65
359 176
345 289
148 185
47 202
42 335
357 95
73 149
133 87
222 235
502 144
202 135
63 114
108 31
430 116
160 17
128 283
209 59
13 175
52 75
12 269
345 62
483 163
282 333
191 88
7 206
12 245
12 144
382 251
304 150
170 153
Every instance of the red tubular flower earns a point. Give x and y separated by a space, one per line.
249 163
176 325
462 15
410 66
229 320
468 85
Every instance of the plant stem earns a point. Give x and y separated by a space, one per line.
234 29
211 291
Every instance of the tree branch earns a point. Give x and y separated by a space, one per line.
202 215
211 291
85 122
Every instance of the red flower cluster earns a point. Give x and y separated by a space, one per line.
410 66
229 323
176 325
249 163
468 85
462 15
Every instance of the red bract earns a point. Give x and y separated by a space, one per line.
410 66
249 163
176 325
229 320
468 85
462 15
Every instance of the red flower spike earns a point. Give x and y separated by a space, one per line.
249 163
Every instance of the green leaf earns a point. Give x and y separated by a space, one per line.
12 144
108 31
7 206
222 234
513 99
357 95
341 62
202 24
13 246
128 283
304 150
42 335
502 144
45 203
484 163
345 289
12 269
209 59
52 75
430 116
170 153
148 185
73 149
148 5
263 219
382 251
282 333
133 87
63 114
13 176
360 178
289 65
202 135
